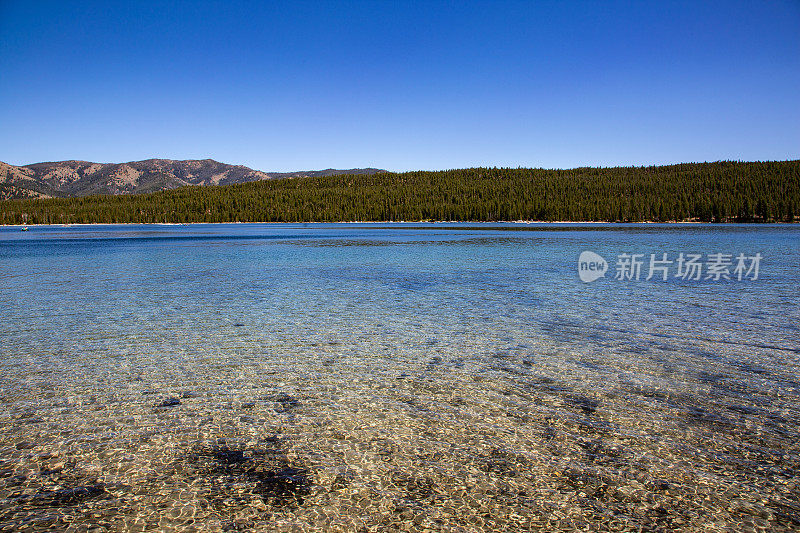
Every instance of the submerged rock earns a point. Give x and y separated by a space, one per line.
288 482
169 402
67 496
227 456
285 402
587 405
75 494
230 472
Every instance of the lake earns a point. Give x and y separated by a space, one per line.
380 377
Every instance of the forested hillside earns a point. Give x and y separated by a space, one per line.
721 191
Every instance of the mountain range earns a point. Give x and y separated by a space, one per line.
63 179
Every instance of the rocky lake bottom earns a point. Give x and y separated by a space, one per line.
234 385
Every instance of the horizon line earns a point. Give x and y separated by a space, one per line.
381 169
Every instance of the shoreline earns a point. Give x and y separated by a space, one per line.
430 222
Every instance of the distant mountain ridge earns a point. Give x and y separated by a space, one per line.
65 179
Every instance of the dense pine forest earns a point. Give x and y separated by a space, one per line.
719 192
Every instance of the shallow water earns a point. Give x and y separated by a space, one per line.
374 377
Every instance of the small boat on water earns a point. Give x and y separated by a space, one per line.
24 228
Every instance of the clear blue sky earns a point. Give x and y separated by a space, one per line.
400 85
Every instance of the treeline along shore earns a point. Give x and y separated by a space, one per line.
724 191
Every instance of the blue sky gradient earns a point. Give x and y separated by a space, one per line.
400 85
